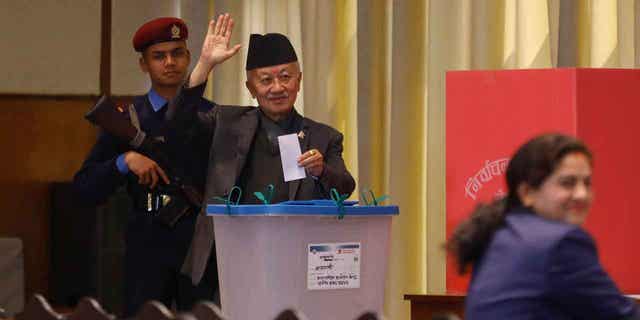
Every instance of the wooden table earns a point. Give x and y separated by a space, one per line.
425 306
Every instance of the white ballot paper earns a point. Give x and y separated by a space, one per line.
289 153
333 266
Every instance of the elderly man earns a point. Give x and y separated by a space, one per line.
155 251
245 149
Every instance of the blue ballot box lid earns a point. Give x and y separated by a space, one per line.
301 208
317 202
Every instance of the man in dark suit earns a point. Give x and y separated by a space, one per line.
244 150
155 251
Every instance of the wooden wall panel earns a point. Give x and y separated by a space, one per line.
43 140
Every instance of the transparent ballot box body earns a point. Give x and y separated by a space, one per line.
308 255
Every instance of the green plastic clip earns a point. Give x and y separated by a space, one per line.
269 194
338 199
228 201
373 201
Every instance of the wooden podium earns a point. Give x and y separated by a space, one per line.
491 113
425 306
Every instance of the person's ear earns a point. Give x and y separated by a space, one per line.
299 80
143 64
526 194
251 88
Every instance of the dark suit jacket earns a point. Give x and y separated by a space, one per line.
535 268
233 129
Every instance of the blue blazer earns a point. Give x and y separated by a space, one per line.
535 268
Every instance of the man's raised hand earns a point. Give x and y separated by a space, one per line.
215 48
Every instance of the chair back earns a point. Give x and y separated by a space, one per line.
89 309
38 309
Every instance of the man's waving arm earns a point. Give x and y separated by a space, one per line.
215 49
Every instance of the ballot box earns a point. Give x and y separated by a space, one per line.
327 261
491 113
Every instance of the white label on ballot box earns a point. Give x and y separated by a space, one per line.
333 266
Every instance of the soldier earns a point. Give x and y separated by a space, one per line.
155 251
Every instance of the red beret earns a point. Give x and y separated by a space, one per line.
159 30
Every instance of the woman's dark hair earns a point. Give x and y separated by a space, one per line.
532 163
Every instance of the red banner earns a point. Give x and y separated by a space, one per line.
491 113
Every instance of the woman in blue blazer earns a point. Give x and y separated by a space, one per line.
530 257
